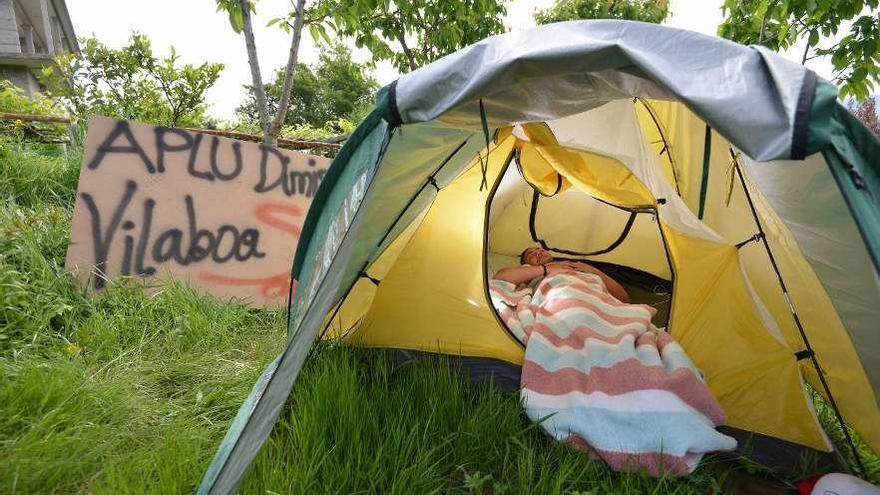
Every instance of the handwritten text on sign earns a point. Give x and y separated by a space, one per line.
223 215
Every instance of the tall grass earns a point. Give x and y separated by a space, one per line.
124 383
869 460
358 424
132 393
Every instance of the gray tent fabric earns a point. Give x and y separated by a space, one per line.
560 69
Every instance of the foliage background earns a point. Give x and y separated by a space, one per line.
779 24
336 89
654 11
131 83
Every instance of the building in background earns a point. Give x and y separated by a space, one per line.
32 32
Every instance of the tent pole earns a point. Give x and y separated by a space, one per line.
289 302
809 349
666 147
431 180
363 273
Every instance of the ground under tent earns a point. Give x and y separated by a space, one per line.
584 137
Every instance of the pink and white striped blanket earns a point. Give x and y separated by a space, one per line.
600 376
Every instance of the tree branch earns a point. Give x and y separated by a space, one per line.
764 22
401 37
259 90
314 20
289 71
167 92
425 30
806 52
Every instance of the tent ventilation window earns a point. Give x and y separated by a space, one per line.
650 289
536 196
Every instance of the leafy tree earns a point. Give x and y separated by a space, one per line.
337 88
779 24
240 18
131 83
634 10
423 30
866 111
14 100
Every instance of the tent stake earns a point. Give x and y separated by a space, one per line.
808 352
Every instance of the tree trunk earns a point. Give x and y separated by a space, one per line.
407 52
401 37
289 71
259 90
806 51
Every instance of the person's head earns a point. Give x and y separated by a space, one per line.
535 256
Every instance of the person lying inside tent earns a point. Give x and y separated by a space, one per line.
538 262
598 375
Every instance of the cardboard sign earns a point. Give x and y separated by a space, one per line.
222 215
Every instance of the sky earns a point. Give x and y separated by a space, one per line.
201 34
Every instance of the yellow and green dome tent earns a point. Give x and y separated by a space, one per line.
727 177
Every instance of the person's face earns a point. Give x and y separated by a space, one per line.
537 256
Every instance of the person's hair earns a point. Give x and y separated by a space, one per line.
522 255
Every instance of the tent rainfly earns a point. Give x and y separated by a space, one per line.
726 172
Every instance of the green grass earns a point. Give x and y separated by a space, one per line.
132 393
358 424
870 460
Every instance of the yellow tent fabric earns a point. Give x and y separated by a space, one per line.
727 212
754 376
541 174
727 310
434 297
599 176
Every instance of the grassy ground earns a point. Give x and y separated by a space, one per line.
128 393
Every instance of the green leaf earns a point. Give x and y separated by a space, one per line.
838 59
858 75
236 20
870 47
144 87
639 10
316 35
323 32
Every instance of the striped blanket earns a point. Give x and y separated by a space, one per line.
601 377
